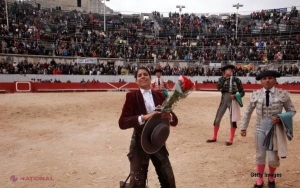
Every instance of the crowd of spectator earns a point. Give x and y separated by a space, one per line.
31 31
83 82
291 83
226 47
45 81
45 32
54 68
269 19
291 70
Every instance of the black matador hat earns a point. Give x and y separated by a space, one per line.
155 134
227 67
266 73
157 70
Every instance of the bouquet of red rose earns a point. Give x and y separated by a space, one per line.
182 89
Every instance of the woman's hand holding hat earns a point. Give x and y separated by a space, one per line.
166 115
148 116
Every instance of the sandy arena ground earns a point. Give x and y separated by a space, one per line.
74 138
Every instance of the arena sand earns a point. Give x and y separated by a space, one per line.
73 140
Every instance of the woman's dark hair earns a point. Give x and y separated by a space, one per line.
142 68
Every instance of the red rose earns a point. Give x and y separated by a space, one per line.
181 90
186 83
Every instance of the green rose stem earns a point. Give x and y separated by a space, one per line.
172 100
167 106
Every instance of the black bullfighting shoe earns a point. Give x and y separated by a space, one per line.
271 184
210 140
258 186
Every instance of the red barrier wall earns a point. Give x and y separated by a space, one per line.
48 87
7 87
23 87
40 87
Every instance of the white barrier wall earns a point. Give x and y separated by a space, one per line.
130 78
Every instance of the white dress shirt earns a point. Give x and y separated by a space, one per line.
230 85
161 81
272 90
149 103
